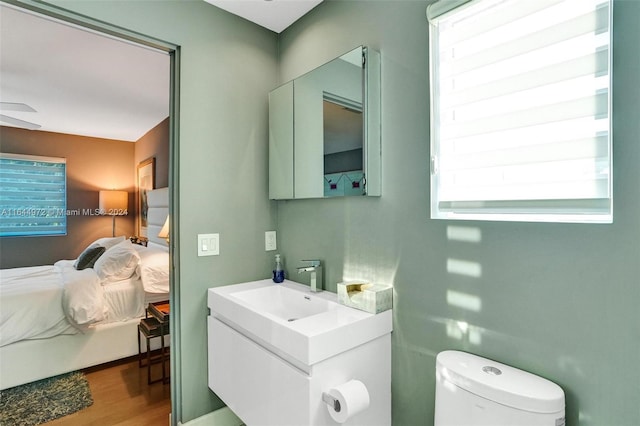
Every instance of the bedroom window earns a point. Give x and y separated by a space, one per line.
521 110
33 195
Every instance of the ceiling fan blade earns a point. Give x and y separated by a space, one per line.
13 106
18 123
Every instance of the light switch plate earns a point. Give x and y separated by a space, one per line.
208 244
270 241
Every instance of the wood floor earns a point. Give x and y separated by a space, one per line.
122 397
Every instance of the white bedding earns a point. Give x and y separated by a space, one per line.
37 288
124 300
45 301
154 267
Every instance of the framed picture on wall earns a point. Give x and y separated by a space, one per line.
146 182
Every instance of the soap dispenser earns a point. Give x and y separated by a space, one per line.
278 272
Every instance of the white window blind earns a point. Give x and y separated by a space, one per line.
521 111
33 196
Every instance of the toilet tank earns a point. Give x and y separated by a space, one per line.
475 391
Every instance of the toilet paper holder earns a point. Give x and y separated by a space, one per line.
331 402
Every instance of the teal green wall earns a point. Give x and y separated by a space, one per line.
228 66
559 300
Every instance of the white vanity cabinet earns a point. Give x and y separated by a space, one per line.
266 382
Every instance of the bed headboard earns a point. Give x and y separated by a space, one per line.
158 209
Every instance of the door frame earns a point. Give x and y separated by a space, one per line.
173 50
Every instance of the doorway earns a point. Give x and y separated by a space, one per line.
120 36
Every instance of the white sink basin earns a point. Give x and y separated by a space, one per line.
284 302
288 319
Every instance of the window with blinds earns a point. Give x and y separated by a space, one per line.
521 110
33 196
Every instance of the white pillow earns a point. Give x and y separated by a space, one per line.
154 268
117 263
108 242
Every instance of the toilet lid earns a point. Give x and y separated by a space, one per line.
499 382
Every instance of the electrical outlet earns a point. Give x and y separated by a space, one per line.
270 241
208 244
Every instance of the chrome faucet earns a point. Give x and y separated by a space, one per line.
315 268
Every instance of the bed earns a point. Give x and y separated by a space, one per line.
79 313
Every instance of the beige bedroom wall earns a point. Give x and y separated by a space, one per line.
92 164
155 143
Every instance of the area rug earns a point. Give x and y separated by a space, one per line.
45 400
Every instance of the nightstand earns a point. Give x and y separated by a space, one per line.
154 324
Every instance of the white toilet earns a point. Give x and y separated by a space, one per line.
475 391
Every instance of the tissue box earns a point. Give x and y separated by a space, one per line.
372 298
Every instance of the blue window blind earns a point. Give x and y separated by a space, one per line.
33 195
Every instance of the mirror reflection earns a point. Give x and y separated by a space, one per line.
322 121
342 147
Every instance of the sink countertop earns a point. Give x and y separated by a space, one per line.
303 341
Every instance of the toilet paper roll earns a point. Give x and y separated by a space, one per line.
353 397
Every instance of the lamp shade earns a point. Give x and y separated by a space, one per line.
114 203
164 232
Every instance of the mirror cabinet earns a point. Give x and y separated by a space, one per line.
324 130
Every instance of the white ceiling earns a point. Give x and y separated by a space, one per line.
80 82
275 15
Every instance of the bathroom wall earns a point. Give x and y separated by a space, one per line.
227 67
559 300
